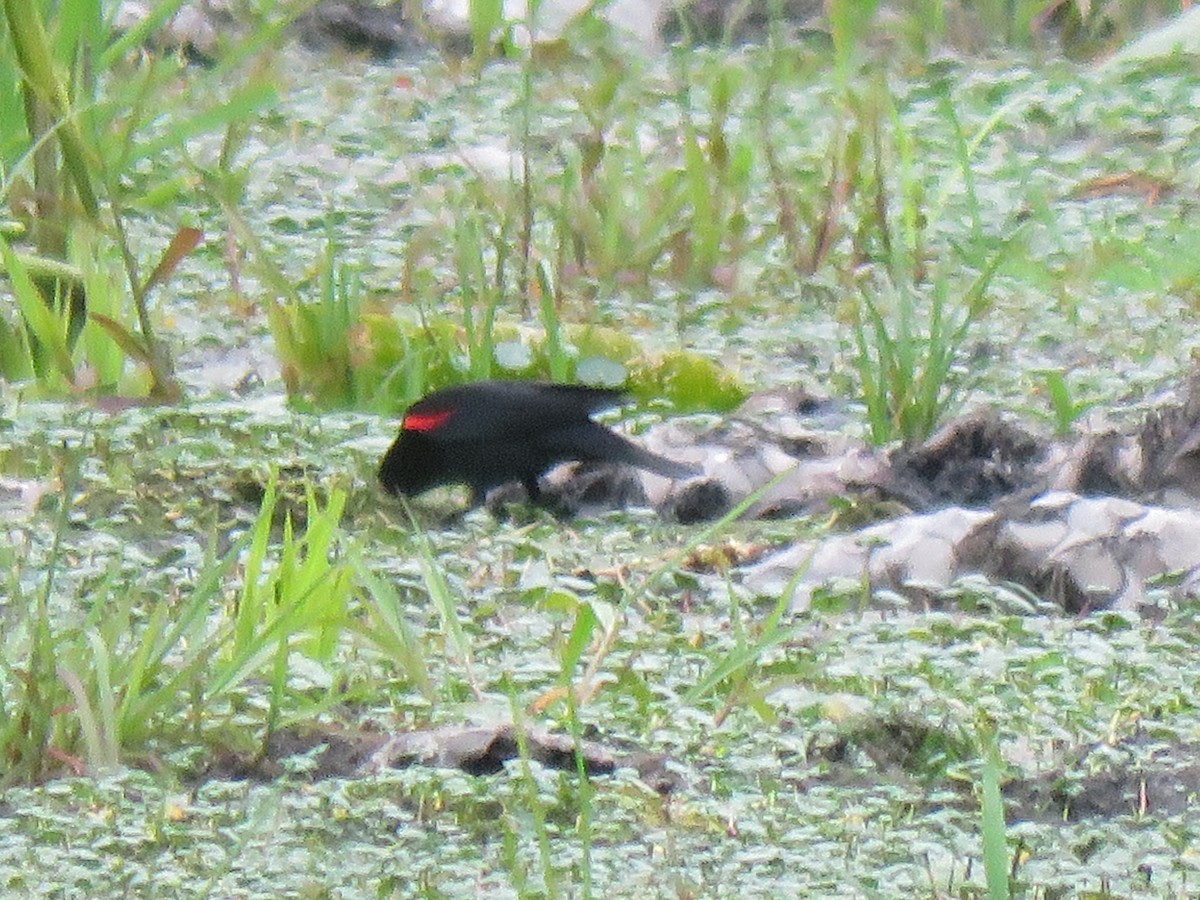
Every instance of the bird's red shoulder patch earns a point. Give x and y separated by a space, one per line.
426 421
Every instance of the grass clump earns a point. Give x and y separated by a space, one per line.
84 114
136 674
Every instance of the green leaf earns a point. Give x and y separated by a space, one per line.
237 107
49 328
585 625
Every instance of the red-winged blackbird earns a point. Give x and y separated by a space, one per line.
493 432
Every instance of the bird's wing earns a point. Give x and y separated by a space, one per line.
505 411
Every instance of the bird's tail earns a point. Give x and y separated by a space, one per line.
595 443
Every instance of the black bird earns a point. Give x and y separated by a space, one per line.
493 432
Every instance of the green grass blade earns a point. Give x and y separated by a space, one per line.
238 107
136 36
106 701
387 628
47 327
995 845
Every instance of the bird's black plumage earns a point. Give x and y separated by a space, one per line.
493 432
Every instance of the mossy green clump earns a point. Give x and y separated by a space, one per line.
384 362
